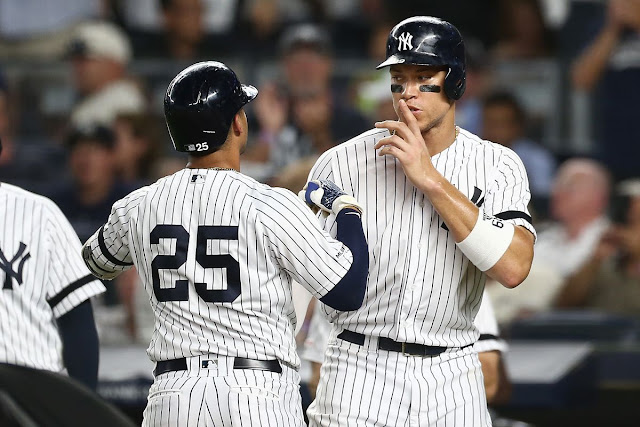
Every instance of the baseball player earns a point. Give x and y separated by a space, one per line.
46 319
443 210
217 252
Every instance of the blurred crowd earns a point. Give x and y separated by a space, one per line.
82 84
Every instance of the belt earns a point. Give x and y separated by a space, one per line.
409 349
163 366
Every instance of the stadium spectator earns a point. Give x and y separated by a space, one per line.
578 208
99 53
523 33
610 279
302 116
86 201
504 121
610 65
136 148
183 28
32 166
469 109
201 26
180 35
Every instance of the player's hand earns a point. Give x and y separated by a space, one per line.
624 14
328 196
406 144
271 109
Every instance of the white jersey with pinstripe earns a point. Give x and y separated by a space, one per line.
421 288
216 252
42 277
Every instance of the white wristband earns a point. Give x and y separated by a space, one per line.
488 241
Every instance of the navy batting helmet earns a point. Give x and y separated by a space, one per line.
424 40
200 105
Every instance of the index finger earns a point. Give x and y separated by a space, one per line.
407 117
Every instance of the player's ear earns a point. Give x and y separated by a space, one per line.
239 123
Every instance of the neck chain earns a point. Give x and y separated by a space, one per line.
221 169
457 133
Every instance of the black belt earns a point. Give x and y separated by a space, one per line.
163 366
388 344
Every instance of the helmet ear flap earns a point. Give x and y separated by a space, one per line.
455 83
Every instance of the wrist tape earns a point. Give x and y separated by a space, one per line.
488 241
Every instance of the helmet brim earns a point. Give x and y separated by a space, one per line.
250 92
425 58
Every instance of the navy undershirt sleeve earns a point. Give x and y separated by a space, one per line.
348 293
80 344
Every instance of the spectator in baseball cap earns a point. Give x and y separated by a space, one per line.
87 199
306 58
100 52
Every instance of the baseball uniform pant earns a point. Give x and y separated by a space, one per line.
211 392
361 385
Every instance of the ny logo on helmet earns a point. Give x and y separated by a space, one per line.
404 41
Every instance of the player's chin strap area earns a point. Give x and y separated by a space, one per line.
488 241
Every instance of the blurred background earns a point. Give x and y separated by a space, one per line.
558 81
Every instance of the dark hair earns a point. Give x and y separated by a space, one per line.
165 4
305 36
144 127
508 99
100 134
4 87
506 28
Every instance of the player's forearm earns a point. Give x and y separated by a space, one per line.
461 217
514 266
455 209
589 66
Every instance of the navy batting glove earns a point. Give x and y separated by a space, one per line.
327 196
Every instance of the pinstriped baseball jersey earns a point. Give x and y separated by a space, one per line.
42 277
216 252
421 288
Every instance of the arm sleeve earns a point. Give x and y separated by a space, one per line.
106 253
509 195
349 291
487 325
299 246
69 283
80 344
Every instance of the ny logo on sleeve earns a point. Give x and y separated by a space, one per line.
7 266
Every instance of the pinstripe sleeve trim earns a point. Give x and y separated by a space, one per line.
106 253
488 337
55 300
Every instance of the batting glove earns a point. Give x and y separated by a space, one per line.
328 196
